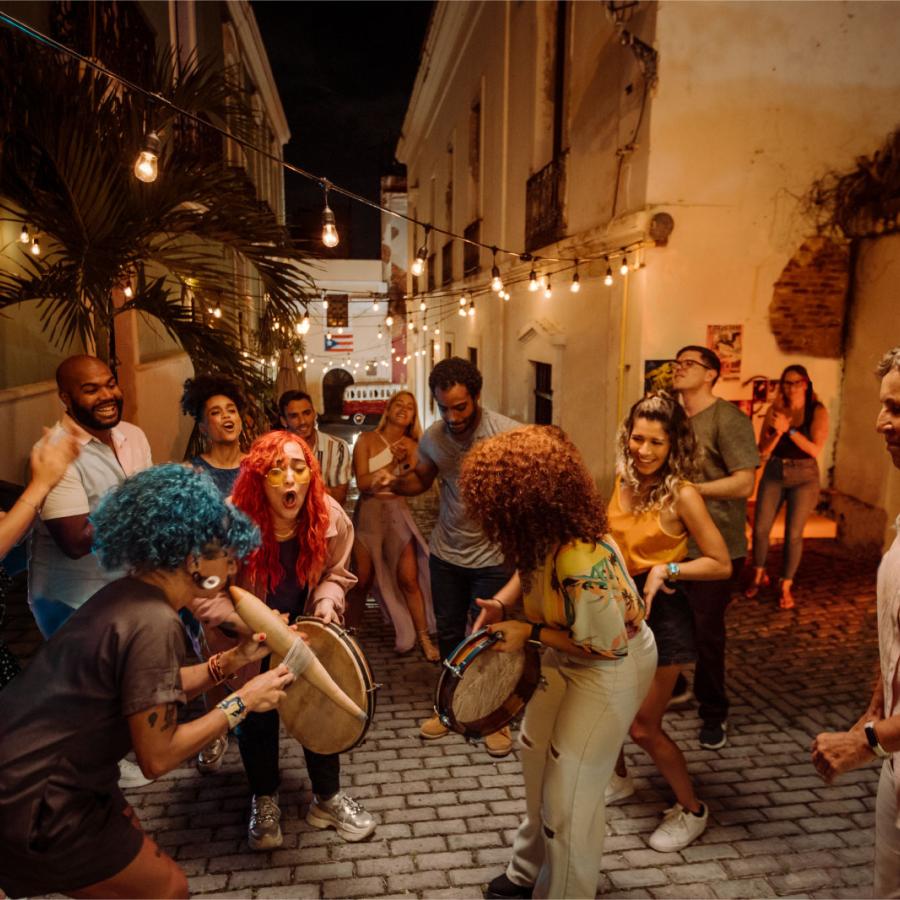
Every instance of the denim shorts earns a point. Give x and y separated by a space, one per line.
672 624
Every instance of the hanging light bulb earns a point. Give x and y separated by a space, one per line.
324 303
608 279
548 291
146 166
329 336
389 320
437 331
303 325
422 306
340 329
380 335
330 236
623 268
424 326
533 281
375 305
462 300
217 312
24 237
462 311
418 264
35 246
471 309
576 283
128 291
496 280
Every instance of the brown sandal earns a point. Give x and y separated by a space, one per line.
429 651
759 582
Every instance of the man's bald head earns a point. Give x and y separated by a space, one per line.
90 392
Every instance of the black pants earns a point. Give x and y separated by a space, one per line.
454 590
709 600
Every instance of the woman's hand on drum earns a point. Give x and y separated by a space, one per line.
325 611
656 581
515 635
491 611
266 691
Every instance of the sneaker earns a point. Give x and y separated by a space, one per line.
681 693
679 828
712 735
433 728
210 758
502 888
264 830
619 788
343 814
131 776
499 743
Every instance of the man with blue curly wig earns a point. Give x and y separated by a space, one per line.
111 680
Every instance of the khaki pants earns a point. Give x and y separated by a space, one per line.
887 836
569 742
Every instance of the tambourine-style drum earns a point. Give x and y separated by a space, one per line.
481 689
311 716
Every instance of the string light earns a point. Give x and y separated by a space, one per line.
409 325
422 306
24 237
329 336
471 309
462 300
418 265
576 281
380 335
146 166
462 311
217 312
623 269
533 281
608 279
330 236
389 320
35 246
324 303
303 325
375 305
548 291
437 330
496 280
128 291
340 329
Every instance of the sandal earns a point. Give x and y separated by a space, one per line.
786 600
760 581
429 651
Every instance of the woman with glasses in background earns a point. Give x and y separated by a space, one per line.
793 434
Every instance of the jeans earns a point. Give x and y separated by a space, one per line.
798 488
50 615
709 600
454 590
573 729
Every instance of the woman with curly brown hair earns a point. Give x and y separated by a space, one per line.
653 512
530 491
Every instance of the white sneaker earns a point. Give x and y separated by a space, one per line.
344 814
679 828
131 776
618 788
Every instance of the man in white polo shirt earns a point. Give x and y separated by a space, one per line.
63 572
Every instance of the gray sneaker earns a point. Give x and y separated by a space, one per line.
264 831
343 814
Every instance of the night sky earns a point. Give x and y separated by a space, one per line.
344 72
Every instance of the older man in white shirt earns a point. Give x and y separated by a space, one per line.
63 572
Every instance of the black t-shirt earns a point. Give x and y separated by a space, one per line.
288 596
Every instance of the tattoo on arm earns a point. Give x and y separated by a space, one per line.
169 720
152 719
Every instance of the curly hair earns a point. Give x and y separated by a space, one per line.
264 566
198 390
159 516
530 491
414 429
682 464
889 362
455 371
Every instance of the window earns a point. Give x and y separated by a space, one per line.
371 367
431 276
543 393
338 314
472 252
448 349
447 263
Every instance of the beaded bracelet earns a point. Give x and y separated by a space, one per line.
214 666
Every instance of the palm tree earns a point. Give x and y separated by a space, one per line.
69 136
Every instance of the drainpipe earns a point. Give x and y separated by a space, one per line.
623 333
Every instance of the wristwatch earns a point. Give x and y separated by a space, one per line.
535 637
874 743
673 570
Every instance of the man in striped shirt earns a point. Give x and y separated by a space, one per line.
299 416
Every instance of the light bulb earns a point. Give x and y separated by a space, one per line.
325 304
623 269
35 246
533 281
329 336
608 279
303 326
422 306
462 300
424 327
576 284
437 331
389 320
471 309
548 291
374 306
217 312
128 291
24 237
330 237
409 325
462 311
340 329
418 266
496 280
146 166
380 334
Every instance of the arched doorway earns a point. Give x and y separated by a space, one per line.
333 385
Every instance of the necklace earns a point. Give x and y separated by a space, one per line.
285 534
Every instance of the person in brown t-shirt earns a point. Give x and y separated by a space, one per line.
110 680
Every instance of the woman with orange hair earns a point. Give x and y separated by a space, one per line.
299 568
389 548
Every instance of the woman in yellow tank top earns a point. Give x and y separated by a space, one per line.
653 513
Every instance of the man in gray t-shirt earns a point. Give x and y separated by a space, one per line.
463 564
725 435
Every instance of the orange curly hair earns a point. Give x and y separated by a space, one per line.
263 566
530 491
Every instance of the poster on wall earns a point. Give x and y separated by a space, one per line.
657 375
725 341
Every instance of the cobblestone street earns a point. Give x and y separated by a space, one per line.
447 812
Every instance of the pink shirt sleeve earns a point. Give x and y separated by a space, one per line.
336 578
211 611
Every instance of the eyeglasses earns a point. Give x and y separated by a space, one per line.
687 363
799 382
277 475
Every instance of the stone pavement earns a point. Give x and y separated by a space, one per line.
447 812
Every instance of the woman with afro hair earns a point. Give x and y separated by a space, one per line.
531 493
300 568
112 679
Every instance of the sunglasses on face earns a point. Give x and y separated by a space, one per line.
687 363
277 475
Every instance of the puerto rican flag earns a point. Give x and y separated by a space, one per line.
339 343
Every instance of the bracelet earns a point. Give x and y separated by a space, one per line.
214 667
37 509
535 637
234 709
502 606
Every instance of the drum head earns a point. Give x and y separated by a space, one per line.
311 717
491 688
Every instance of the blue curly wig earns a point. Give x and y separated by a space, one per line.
157 517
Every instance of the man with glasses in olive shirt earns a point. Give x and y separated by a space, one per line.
730 458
